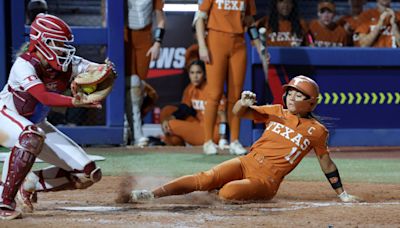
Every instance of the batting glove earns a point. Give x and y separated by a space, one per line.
248 98
347 198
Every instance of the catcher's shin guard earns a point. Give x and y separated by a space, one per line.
22 157
135 96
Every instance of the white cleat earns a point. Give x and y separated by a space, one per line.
142 142
210 148
223 144
236 148
141 195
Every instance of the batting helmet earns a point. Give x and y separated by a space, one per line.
47 32
308 87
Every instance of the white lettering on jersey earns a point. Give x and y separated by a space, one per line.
233 5
321 43
290 134
198 104
310 130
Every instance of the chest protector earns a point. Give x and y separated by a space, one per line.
55 81
139 13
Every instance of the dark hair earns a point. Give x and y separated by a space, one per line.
293 17
199 63
36 7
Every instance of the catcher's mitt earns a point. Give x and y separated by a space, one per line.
103 77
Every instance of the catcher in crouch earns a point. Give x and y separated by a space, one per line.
291 132
36 81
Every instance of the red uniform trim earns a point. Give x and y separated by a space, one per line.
11 118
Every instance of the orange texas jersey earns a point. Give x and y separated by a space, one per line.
195 97
284 37
287 138
352 21
368 20
158 4
227 15
335 36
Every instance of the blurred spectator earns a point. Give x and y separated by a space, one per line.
379 27
324 31
284 26
35 7
185 123
350 22
141 47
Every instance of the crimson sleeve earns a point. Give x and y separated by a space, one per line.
50 98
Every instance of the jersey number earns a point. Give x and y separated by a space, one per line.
292 155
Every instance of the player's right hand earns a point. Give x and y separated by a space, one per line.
204 55
248 98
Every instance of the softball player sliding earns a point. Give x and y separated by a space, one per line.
291 132
36 81
140 49
224 51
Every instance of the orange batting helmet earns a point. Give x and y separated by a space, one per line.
308 87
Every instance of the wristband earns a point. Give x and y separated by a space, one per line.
159 35
253 33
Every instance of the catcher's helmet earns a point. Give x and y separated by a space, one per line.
308 87
46 33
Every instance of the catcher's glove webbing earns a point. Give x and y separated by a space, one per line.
103 77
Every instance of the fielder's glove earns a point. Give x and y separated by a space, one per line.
347 198
102 77
248 98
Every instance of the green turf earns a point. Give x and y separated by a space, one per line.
177 164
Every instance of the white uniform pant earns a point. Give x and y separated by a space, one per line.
58 149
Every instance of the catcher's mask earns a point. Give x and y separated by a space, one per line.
309 88
46 35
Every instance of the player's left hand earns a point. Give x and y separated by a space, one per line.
154 51
347 198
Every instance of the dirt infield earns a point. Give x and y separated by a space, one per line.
303 204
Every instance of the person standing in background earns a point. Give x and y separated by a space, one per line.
324 31
224 52
35 7
141 47
284 26
379 27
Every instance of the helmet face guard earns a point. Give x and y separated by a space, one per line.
50 36
309 88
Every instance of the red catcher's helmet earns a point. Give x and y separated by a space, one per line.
308 87
46 30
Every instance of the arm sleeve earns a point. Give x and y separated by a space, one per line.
322 145
49 98
205 5
262 113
